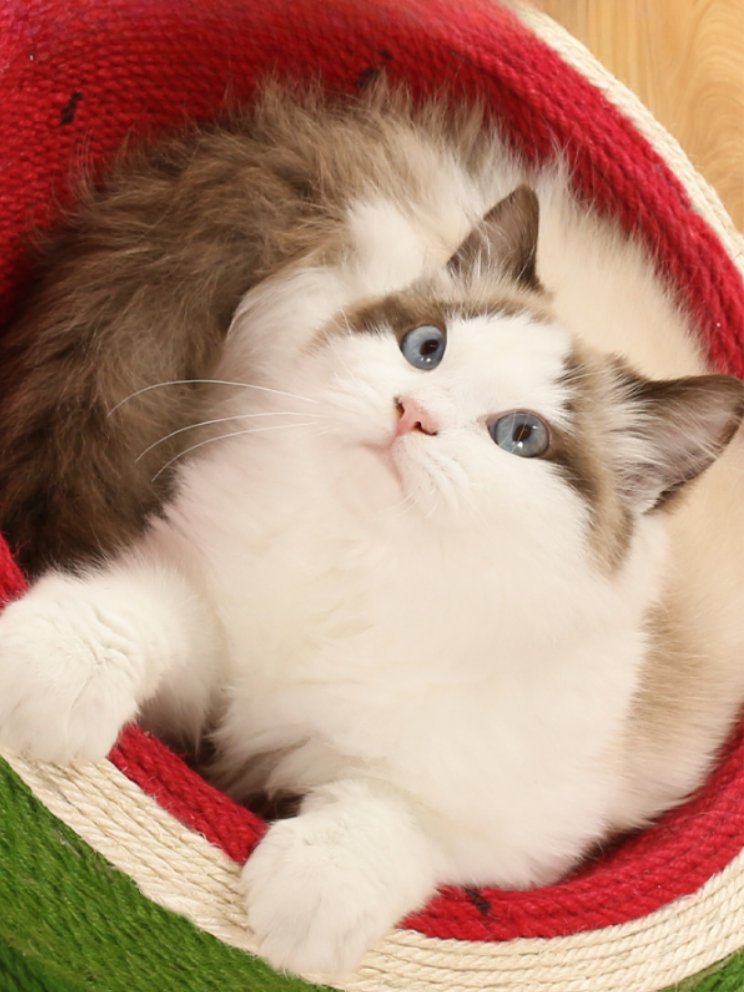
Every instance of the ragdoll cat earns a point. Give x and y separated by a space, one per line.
456 557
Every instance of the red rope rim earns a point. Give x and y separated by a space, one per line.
77 78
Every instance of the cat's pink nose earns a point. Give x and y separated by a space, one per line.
413 417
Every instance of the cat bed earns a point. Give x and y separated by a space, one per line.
123 875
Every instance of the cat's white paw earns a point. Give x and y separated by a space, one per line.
314 906
324 887
68 674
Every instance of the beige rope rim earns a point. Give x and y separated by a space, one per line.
178 868
181 871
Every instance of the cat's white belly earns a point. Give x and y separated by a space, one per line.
340 664
504 756
512 792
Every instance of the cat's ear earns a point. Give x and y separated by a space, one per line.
505 240
676 429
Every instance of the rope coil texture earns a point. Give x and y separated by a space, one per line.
183 872
73 86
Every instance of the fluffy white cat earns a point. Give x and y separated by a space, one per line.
433 562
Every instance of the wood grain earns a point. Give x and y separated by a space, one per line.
685 60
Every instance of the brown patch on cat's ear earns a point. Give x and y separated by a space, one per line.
676 429
506 240
631 444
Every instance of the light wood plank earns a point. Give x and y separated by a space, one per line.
685 60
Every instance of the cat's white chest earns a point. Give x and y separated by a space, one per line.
419 661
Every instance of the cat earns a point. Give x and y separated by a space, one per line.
456 550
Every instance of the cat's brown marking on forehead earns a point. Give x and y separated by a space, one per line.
583 455
401 312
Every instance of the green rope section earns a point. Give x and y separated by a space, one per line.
726 976
70 922
22 974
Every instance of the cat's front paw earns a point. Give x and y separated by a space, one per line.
67 675
313 906
324 887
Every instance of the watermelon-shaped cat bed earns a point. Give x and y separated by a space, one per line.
123 875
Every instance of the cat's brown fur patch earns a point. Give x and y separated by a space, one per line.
635 443
401 312
140 288
581 454
682 712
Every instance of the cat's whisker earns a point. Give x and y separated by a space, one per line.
222 420
222 437
340 357
433 494
393 506
411 506
474 508
215 382
348 325
411 501
475 511
454 486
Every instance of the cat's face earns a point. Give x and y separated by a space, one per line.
459 398
459 407
488 415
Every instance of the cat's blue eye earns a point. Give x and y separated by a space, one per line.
423 347
520 433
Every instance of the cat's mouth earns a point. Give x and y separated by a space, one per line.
414 420
402 453
395 453
384 453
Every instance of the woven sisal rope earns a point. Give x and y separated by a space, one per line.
181 871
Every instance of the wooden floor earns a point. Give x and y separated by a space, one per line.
685 60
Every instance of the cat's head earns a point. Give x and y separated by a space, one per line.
463 391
